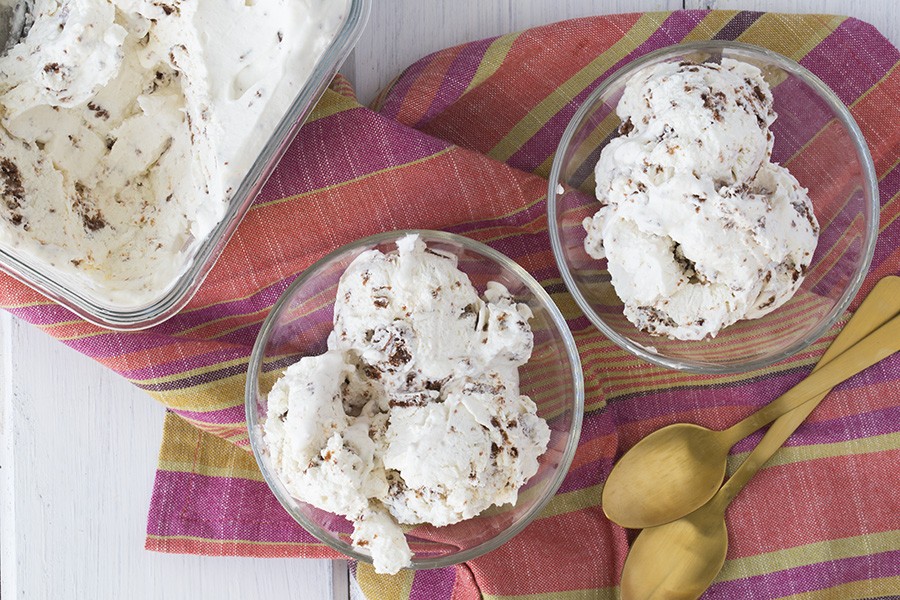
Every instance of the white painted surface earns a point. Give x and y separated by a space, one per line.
78 444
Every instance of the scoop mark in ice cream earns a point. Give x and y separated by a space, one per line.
131 122
13 192
698 226
417 412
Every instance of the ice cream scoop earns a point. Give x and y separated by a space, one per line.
414 413
698 226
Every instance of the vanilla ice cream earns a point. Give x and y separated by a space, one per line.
698 226
127 125
413 415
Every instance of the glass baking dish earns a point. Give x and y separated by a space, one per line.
200 257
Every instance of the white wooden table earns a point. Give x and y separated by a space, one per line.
79 443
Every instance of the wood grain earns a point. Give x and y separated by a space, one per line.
402 31
84 444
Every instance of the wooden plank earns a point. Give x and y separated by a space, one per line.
402 31
76 470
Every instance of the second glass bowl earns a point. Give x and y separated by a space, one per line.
298 326
815 137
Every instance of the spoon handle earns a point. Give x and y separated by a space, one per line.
872 349
880 307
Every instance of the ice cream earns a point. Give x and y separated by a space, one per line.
413 415
699 228
127 125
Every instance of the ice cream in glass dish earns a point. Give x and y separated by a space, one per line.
413 414
699 227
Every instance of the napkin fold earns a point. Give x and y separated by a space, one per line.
462 141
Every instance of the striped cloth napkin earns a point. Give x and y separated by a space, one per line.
462 141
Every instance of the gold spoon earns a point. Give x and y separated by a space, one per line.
680 559
677 469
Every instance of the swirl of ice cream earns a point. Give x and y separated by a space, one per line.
413 415
698 226
127 125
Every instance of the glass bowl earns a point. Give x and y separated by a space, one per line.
815 137
298 326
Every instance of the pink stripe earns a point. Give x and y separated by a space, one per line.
808 578
44 314
457 79
705 397
217 354
433 583
850 69
536 150
887 244
219 508
801 115
587 475
334 141
259 301
113 344
233 415
394 100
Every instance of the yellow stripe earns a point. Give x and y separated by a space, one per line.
809 554
544 167
214 395
794 37
210 471
885 208
85 336
889 205
710 25
352 181
572 501
536 118
27 305
493 59
794 454
187 449
591 594
869 588
191 373
331 103
61 324
386 587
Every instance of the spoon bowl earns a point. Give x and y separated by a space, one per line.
681 558
677 469
686 460
695 545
